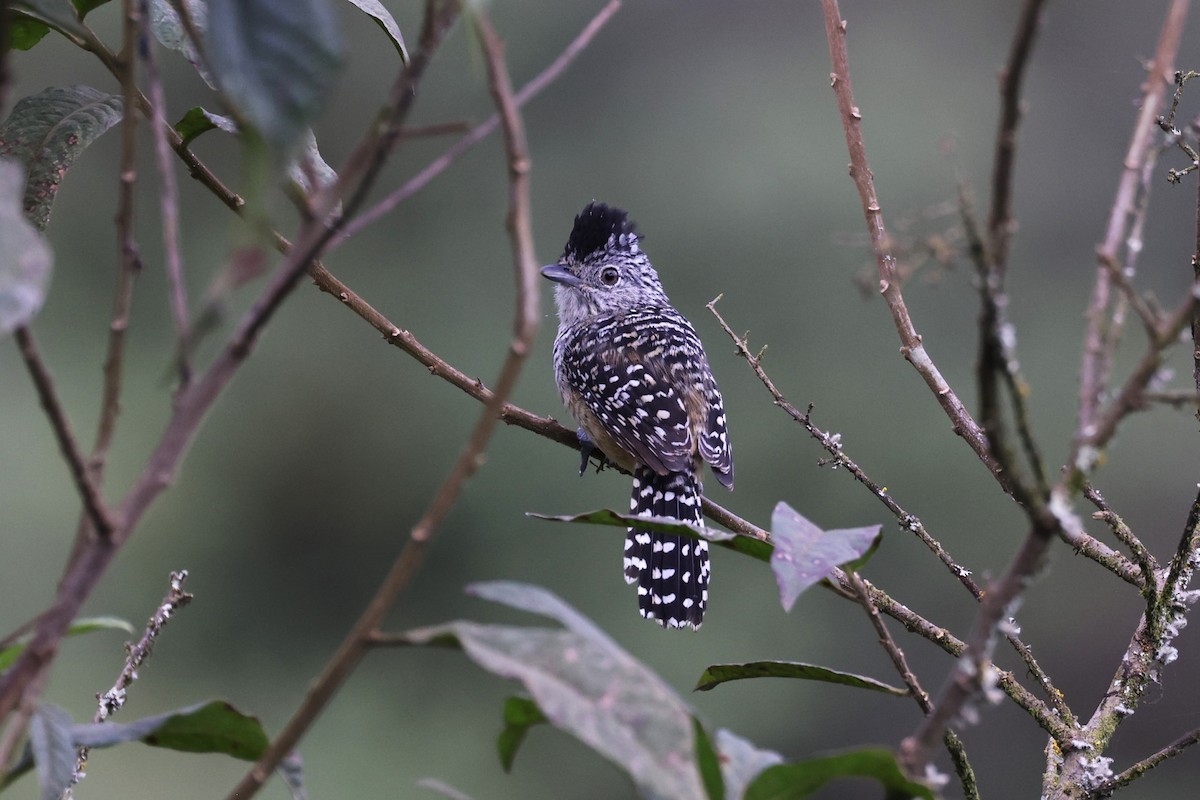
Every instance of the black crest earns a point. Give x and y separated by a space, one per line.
595 226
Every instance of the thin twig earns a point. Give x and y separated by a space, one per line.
1139 769
93 502
90 563
1096 356
912 347
360 639
888 643
111 701
1000 221
1141 556
833 445
168 196
480 132
908 522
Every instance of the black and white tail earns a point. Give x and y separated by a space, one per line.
671 572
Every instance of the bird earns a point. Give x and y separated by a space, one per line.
633 373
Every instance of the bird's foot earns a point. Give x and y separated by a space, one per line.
587 448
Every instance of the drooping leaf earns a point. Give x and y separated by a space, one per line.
741 761
275 61
213 727
81 625
795 781
746 545
383 17
708 762
308 169
717 674
585 685
805 554
200 120
47 131
520 714
33 19
25 261
170 32
53 750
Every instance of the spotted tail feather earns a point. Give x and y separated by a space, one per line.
671 572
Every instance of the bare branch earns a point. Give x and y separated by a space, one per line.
168 196
362 636
1146 764
1000 224
111 701
912 347
479 132
1097 356
93 502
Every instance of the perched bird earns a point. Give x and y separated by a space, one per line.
633 373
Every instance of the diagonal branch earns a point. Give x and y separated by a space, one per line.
362 636
912 347
93 502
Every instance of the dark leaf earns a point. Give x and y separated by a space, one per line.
213 727
309 169
47 131
25 264
520 714
708 762
200 120
53 750
805 554
33 19
275 61
746 545
723 673
375 9
587 686
794 781
82 625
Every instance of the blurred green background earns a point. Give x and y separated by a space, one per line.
713 123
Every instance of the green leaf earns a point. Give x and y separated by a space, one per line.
520 714
25 261
82 625
805 554
47 131
717 674
33 19
275 61
200 120
383 17
794 781
708 762
213 727
585 685
746 545
53 749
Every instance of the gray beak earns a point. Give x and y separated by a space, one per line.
560 274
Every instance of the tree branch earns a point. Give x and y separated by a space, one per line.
362 636
93 502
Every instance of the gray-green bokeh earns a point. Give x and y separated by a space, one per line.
713 123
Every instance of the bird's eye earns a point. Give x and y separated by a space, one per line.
610 276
